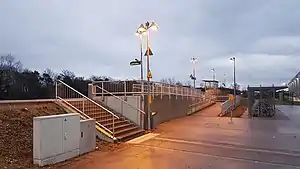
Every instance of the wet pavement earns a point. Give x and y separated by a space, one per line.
206 142
212 111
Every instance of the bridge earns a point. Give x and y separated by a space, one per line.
121 107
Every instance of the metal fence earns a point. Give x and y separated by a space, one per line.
229 105
138 87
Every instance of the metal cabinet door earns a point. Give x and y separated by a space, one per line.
71 133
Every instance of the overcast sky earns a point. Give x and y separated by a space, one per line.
96 37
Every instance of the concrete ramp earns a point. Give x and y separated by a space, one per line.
211 111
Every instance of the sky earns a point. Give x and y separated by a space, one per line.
97 37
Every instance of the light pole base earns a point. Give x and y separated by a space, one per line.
230 122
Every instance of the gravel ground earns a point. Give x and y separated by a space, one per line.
16 121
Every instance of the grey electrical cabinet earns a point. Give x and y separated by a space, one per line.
55 138
87 136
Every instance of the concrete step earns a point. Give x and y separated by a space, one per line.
119 122
130 135
121 126
125 130
108 120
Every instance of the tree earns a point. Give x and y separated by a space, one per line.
9 70
188 83
171 81
238 86
19 83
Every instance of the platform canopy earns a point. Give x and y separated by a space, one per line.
266 88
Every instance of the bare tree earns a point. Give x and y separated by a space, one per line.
68 74
8 62
188 83
238 86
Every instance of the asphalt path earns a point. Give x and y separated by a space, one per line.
206 142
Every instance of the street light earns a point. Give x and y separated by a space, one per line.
144 29
193 76
140 34
224 84
234 82
213 73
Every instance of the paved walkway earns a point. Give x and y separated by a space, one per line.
212 111
196 142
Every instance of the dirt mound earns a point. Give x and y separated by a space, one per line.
16 126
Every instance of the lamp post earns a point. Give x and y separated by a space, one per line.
224 80
193 76
140 33
234 82
213 73
145 28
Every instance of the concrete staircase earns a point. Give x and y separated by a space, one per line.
122 128
110 125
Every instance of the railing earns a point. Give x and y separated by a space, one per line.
229 105
200 104
123 110
87 107
117 87
253 108
138 87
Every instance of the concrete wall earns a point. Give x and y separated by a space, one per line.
124 109
169 108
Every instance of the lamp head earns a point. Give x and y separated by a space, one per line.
232 59
140 33
194 59
153 26
142 28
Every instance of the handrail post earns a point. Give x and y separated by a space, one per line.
55 89
113 128
83 106
122 108
161 91
153 90
125 98
176 93
169 91
102 95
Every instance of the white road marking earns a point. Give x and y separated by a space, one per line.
218 156
229 147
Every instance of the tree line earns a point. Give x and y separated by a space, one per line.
19 83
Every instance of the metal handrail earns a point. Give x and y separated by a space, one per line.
137 86
89 99
141 111
205 100
231 107
82 113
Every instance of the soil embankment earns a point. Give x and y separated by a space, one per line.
16 128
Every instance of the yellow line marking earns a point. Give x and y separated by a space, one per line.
142 138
